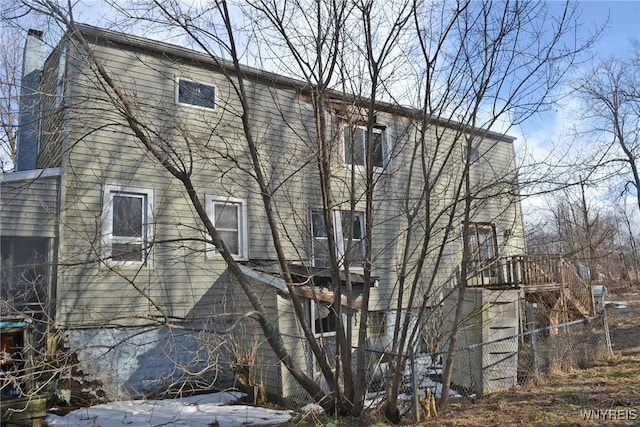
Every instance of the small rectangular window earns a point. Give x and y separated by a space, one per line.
326 320
377 323
322 318
127 224
195 94
356 144
229 216
471 154
344 227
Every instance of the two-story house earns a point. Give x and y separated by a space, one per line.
109 254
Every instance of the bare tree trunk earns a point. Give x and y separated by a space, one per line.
462 286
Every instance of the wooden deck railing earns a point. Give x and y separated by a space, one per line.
537 273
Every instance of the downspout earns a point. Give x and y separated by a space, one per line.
53 283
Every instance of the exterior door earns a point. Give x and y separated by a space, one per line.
483 245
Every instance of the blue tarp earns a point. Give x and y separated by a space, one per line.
13 324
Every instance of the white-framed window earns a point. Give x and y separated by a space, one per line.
356 145
472 154
127 225
344 225
195 94
229 216
322 318
377 323
483 250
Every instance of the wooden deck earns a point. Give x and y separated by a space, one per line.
541 287
536 275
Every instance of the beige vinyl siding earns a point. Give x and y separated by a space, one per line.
181 279
181 276
29 206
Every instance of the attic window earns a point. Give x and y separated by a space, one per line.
195 94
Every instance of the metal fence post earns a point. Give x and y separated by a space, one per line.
534 350
606 331
416 391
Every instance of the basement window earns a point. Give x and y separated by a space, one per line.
377 323
322 317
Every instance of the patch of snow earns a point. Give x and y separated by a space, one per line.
616 304
373 400
312 408
436 387
193 411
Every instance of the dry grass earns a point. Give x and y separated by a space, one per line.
605 393
562 398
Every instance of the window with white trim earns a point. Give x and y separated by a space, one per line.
322 317
344 225
127 225
229 216
472 154
377 323
356 144
483 250
195 94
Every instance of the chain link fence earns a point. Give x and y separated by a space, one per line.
478 369
503 363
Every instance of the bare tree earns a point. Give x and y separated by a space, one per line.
10 59
476 65
468 59
586 234
611 116
629 254
595 237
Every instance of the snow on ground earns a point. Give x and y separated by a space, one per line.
195 411
616 304
205 410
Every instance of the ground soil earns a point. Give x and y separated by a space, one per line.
604 393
